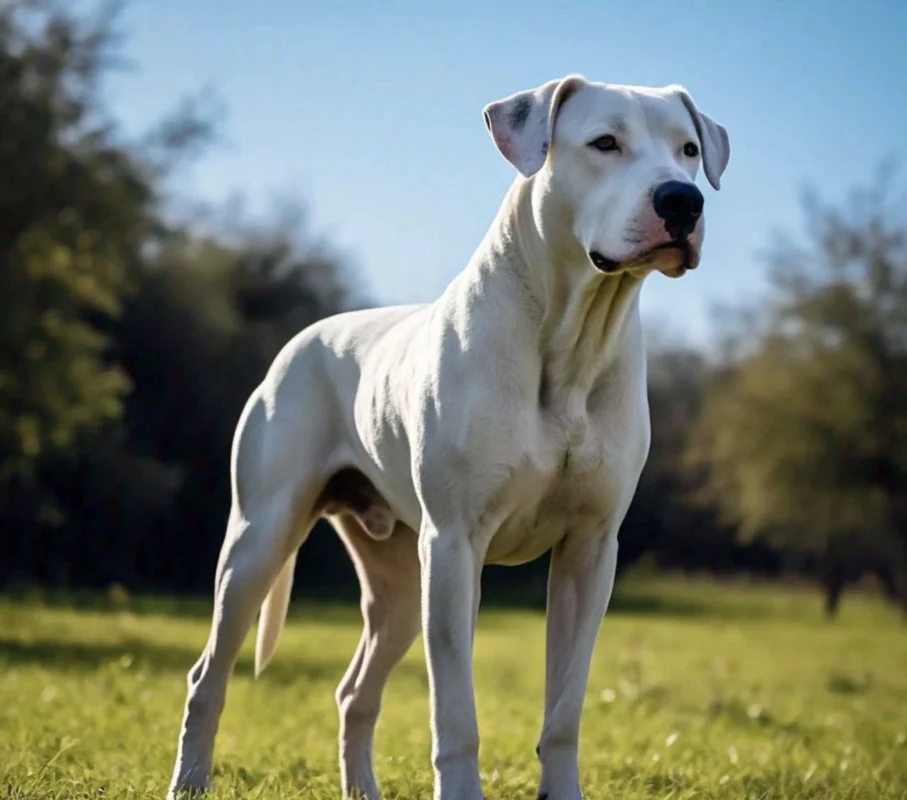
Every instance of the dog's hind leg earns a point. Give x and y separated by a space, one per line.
248 564
272 513
389 576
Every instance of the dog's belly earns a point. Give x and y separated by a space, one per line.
537 510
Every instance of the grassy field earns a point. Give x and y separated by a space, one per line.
696 690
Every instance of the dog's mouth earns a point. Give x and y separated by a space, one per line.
674 268
650 260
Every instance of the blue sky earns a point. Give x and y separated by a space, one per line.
371 112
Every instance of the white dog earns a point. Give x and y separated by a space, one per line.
505 419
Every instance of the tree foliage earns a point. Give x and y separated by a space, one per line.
803 432
128 342
70 208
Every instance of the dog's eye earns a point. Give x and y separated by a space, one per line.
690 150
606 143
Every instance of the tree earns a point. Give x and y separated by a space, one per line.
211 312
76 208
802 437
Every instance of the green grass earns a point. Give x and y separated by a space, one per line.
697 690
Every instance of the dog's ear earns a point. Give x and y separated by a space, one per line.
713 139
522 125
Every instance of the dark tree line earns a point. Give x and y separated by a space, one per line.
129 343
130 340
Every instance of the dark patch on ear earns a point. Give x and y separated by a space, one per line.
545 146
520 113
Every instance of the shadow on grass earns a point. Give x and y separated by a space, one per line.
135 654
329 611
188 606
639 603
631 597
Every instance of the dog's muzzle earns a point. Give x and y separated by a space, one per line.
679 205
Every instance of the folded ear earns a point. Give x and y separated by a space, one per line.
522 125
713 140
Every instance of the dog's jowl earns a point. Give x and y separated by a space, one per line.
505 419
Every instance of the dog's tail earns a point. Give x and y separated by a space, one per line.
273 614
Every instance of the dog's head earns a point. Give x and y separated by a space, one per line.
619 164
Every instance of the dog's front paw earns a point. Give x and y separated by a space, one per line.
459 782
573 793
186 792
187 787
560 774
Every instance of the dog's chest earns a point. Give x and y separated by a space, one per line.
577 468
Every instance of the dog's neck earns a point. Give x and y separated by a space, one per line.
585 320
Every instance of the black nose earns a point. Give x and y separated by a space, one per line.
679 204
